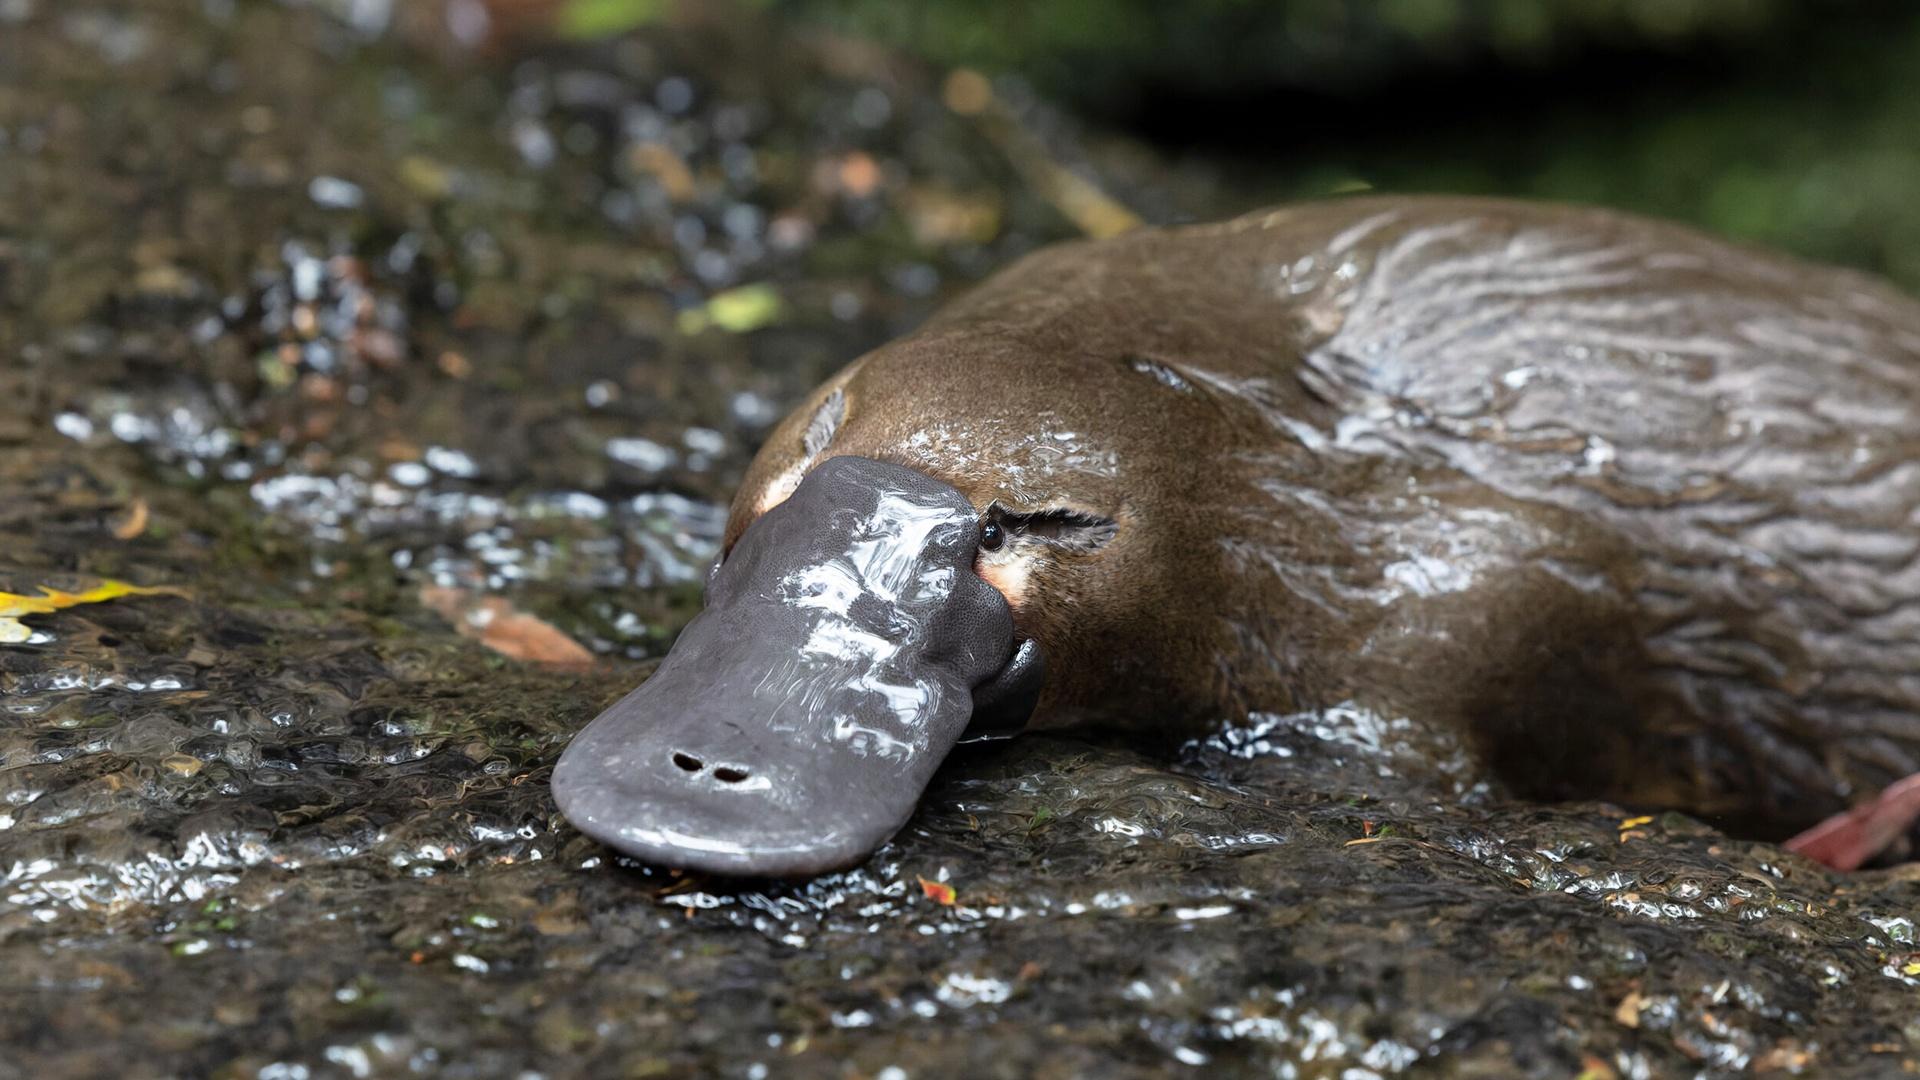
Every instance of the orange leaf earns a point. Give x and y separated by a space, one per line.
939 892
493 621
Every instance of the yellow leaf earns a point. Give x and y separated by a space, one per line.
748 307
15 606
425 177
939 892
736 311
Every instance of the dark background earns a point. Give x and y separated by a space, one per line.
1790 123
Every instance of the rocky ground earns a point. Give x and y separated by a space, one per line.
414 372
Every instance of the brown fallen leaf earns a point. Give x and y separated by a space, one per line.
132 522
1790 1056
493 621
395 448
939 217
859 175
1595 1068
1627 1014
967 92
667 168
454 366
1079 199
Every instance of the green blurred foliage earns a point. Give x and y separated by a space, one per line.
603 18
1787 122
1103 50
1812 145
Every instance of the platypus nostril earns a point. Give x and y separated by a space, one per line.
727 774
688 762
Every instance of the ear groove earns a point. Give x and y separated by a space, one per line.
1065 528
825 424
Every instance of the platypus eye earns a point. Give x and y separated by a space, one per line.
992 536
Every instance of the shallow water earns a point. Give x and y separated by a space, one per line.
304 315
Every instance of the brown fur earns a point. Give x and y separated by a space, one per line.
1637 509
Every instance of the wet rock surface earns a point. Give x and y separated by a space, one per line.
371 346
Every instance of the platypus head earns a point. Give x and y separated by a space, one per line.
917 556
846 646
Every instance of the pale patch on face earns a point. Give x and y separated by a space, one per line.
819 434
1012 574
782 487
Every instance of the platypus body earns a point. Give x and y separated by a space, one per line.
1634 510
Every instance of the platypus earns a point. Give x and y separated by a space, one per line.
1632 509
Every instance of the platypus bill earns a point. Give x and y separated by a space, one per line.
1634 510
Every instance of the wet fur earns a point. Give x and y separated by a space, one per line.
1635 508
